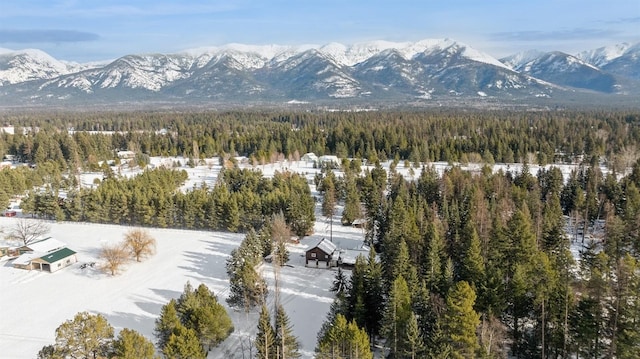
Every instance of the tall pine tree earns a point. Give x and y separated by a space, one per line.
265 339
461 321
286 343
396 317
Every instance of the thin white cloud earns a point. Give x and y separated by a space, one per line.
625 20
85 10
45 36
558 35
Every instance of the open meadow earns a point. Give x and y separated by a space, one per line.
35 303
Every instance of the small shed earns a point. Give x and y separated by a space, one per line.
24 261
54 261
321 255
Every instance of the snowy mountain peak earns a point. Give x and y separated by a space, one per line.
603 55
556 60
35 54
266 52
517 60
29 64
359 52
248 56
479 56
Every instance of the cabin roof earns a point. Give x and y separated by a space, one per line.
325 246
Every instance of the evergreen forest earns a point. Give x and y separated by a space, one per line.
462 265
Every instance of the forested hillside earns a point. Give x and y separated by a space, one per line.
470 264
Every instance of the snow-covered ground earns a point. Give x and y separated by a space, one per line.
35 303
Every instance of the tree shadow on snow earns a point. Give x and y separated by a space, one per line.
140 323
211 262
150 307
166 294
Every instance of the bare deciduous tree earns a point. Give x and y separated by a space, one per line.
114 257
280 235
28 230
280 231
140 243
493 336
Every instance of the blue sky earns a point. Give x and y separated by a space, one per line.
89 30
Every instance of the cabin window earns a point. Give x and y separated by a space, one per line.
313 255
59 265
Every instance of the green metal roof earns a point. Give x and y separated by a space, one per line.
57 255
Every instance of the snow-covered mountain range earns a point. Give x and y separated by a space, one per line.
378 71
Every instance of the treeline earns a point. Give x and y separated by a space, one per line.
480 265
240 200
541 137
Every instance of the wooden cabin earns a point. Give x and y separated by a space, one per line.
322 255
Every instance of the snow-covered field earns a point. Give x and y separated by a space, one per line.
35 303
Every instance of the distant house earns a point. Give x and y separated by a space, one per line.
359 223
321 255
126 155
347 257
8 252
48 255
310 157
327 160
